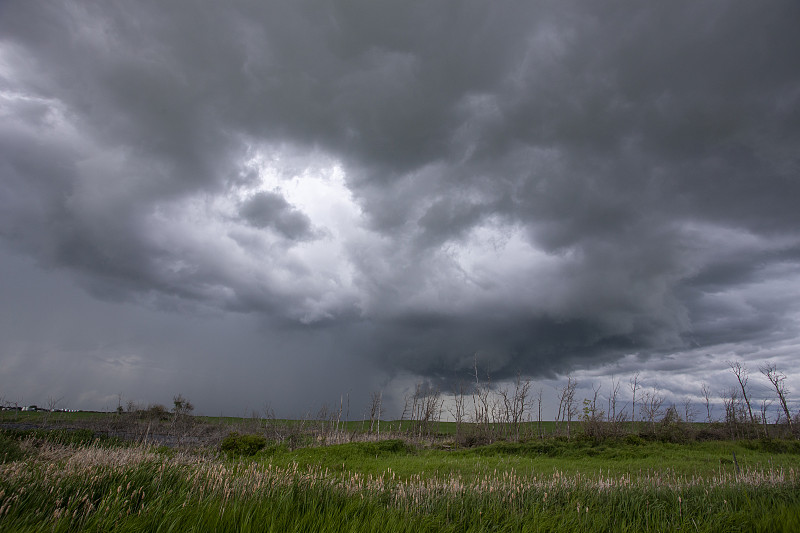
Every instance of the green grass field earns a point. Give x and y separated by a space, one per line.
73 481
537 458
40 416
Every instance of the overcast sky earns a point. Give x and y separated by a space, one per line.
281 202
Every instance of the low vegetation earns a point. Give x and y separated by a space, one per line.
53 482
494 466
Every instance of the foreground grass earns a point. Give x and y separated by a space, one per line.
52 486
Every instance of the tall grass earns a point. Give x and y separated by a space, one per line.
80 487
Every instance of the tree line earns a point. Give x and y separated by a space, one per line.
484 412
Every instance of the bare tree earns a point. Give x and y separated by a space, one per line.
321 421
380 410
412 401
651 405
615 415
271 429
375 411
777 379
633 384
740 371
457 408
182 406
339 425
480 401
347 413
181 415
501 411
707 395
521 391
592 416
539 412
131 406
52 406
567 407
688 410
731 402
339 414
425 409
765 404
612 400
572 406
514 405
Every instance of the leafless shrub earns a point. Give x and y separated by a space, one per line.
155 411
672 429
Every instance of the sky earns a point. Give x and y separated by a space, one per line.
283 203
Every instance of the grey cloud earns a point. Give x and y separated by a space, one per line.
549 184
268 209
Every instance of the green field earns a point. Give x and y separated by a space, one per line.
67 480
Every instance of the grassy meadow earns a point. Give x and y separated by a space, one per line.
67 479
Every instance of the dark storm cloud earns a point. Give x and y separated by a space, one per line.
547 184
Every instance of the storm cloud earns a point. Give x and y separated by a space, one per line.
546 186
